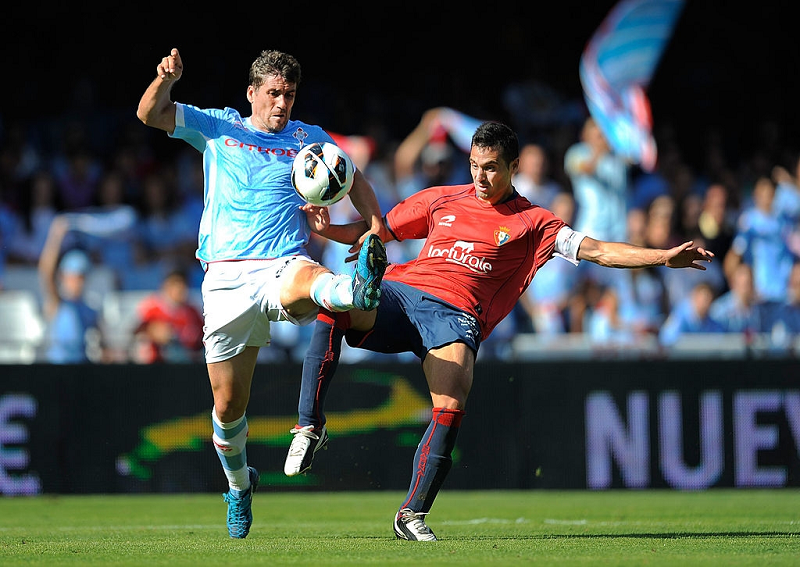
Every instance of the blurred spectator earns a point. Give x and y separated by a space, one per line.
691 316
647 186
661 223
73 334
110 228
39 206
662 231
762 241
546 300
716 169
77 173
133 157
684 184
19 159
716 223
426 157
168 232
689 210
171 327
605 324
643 302
782 320
532 179
600 184
737 310
8 231
787 190
585 296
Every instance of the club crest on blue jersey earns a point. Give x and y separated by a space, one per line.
501 236
300 135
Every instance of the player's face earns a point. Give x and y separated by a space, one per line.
491 175
272 103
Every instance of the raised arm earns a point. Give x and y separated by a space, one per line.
406 154
623 255
48 265
156 109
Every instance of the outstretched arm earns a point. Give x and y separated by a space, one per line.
623 255
352 233
156 109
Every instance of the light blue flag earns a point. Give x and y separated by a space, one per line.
616 68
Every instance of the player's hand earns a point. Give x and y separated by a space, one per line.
378 229
356 248
319 219
171 66
686 256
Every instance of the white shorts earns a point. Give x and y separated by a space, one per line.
240 298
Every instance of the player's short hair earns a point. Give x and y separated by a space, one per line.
272 62
497 136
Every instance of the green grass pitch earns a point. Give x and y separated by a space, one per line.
708 528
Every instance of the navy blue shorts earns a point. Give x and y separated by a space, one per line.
409 320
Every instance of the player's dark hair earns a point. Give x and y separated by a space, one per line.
497 136
272 62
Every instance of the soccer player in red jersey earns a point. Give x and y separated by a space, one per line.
483 245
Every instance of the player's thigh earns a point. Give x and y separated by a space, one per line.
449 370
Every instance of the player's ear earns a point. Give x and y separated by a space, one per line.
251 91
513 167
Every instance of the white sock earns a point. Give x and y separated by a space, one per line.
333 292
229 442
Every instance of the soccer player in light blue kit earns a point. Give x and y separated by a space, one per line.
252 242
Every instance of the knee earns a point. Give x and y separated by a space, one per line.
227 414
228 406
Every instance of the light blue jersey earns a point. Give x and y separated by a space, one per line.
762 241
251 209
600 197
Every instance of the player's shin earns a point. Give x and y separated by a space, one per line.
433 459
229 442
319 366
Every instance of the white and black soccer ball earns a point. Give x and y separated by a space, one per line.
322 174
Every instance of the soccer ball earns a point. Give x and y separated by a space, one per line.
322 174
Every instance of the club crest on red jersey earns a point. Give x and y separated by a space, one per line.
501 235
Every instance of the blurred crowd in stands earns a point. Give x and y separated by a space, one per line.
95 212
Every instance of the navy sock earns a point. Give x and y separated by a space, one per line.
319 366
433 459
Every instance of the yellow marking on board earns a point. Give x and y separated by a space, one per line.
404 406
